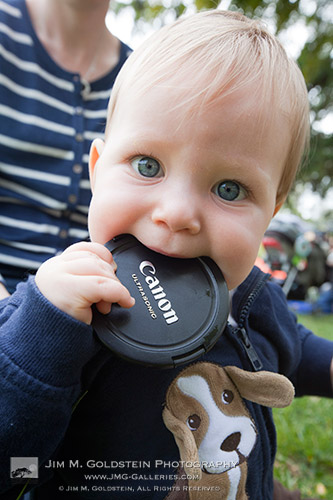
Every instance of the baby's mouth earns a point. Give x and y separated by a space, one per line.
167 254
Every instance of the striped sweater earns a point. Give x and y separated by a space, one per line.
48 119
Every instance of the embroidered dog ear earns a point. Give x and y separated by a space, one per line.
186 443
212 427
265 388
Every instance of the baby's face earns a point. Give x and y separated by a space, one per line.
189 186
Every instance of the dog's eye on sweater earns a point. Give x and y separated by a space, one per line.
227 397
194 422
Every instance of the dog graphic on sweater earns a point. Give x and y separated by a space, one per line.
213 429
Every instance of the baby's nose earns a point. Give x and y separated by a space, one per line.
179 213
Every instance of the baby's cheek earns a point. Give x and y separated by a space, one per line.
236 265
96 224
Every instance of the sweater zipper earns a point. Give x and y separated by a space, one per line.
240 331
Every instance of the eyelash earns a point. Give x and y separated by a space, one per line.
246 188
143 155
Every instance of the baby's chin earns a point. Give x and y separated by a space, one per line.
233 282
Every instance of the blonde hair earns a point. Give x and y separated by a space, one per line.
231 51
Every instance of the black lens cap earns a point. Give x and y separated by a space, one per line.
181 306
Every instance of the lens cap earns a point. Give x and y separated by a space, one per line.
181 306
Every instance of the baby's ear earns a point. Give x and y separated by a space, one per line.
96 150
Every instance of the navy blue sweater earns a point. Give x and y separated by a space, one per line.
48 361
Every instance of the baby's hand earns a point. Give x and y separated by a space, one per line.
84 274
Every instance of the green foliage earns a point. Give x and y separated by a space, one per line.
304 456
304 432
315 59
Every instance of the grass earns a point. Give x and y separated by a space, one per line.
304 458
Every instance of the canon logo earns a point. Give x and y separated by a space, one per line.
147 268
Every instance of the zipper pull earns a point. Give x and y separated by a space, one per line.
249 349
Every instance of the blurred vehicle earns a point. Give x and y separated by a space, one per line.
295 247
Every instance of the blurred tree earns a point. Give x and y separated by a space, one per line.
314 55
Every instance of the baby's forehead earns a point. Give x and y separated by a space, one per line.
183 100
178 118
191 86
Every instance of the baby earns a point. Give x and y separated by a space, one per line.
207 126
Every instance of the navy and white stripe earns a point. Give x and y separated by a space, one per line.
48 119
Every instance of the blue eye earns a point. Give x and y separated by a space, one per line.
230 191
146 166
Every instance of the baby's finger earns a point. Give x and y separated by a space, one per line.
103 307
87 265
100 288
78 250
